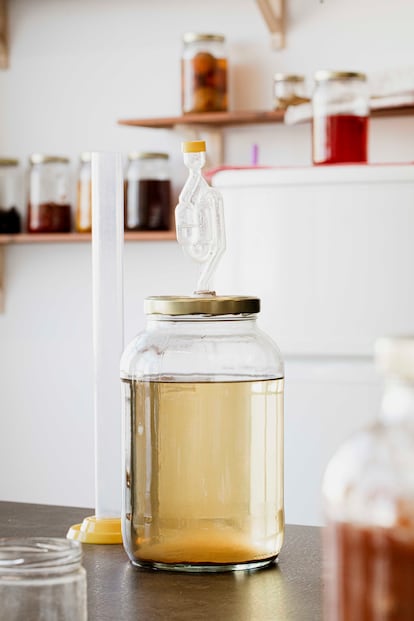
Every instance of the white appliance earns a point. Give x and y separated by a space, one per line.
330 251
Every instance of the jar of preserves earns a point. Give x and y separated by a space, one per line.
10 183
368 494
49 206
204 73
340 118
203 400
289 90
84 199
148 192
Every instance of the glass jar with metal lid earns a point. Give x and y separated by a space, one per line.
49 206
289 90
203 73
84 195
203 470
340 118
10 191
148 192
368 498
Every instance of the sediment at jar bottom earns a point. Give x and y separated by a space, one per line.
208 546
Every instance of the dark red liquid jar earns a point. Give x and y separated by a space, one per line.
49 209
148 192
340 118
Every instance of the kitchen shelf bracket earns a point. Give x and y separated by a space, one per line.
274 14
4 36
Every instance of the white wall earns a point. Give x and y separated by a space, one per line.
76 66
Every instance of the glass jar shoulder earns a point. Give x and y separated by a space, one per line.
215 351
370 478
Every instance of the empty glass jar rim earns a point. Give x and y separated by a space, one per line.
22 555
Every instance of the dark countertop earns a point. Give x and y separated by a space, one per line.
289 591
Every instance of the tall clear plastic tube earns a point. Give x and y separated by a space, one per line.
107 268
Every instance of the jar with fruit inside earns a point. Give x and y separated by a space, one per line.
204 73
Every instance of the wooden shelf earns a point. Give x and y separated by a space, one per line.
216 119
53 238
59 238
248 117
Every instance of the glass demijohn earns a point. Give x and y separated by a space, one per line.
203 400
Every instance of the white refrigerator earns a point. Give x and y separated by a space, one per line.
330 252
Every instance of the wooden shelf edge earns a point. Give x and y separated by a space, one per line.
217 119
54 238
248 117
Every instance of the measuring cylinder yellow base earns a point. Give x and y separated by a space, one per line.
96 530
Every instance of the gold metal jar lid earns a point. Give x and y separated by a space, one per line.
207 305
40 158
288 77
147 155
8 161
193 37
325 75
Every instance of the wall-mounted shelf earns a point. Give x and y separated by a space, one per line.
67 238
216 119
239 118
209 125
59 238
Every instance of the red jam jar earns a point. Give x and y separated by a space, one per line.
340 105
49 207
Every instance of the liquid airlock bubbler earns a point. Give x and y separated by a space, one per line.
203 400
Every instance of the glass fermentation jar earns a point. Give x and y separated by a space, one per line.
49 207
148 192
369 505
203 399
42 578
84 199
10 182
204 73
340 118
288 90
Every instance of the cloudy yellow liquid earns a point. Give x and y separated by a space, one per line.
204 472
